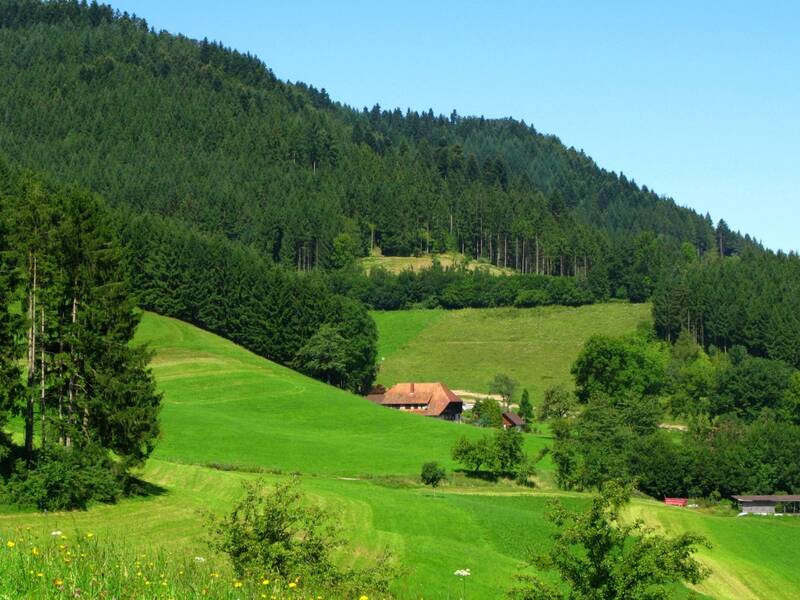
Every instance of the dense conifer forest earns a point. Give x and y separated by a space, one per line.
208 136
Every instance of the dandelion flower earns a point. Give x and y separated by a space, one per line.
58 582
292 585
10 543
237 584
265 581
363 597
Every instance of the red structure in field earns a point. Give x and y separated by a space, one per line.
676 501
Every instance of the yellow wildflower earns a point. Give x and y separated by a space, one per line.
292 585
237 584
58 582
363 597
35 551
40 574
10 543
265 581
89 536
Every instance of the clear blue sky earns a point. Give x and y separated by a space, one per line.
698 100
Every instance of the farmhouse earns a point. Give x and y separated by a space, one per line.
512 421
769 505
429 399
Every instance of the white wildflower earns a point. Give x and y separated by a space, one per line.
56 533
462 573
199 559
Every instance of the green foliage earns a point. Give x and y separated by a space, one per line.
230 290
743 416
753 385
618 367
525 407
508 450
323 357
64 479
502 454
275 531
525 471
86 388
50 567
504 386
286 170
432 474
278 532
752 300
558 403
487 413
345 251
473 455
600 557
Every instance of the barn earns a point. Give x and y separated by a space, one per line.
781 504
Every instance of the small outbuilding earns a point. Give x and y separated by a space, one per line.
512 421
780 504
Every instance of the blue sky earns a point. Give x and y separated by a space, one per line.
698 100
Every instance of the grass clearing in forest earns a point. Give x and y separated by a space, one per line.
466 348
398 264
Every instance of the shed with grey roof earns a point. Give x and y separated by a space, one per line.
780 504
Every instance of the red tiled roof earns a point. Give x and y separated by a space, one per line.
430 398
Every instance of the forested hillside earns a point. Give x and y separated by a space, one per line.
206 135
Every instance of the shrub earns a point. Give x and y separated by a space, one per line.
63 479
531 298
432 474
525 471
278 532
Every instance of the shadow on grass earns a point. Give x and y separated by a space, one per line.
486 476
139 488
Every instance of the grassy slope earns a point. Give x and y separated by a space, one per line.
466 348
216 397
752 558
225 405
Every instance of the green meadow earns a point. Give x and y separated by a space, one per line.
226 407
465 349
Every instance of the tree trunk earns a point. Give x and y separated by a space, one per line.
71 384
42 400
31 357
